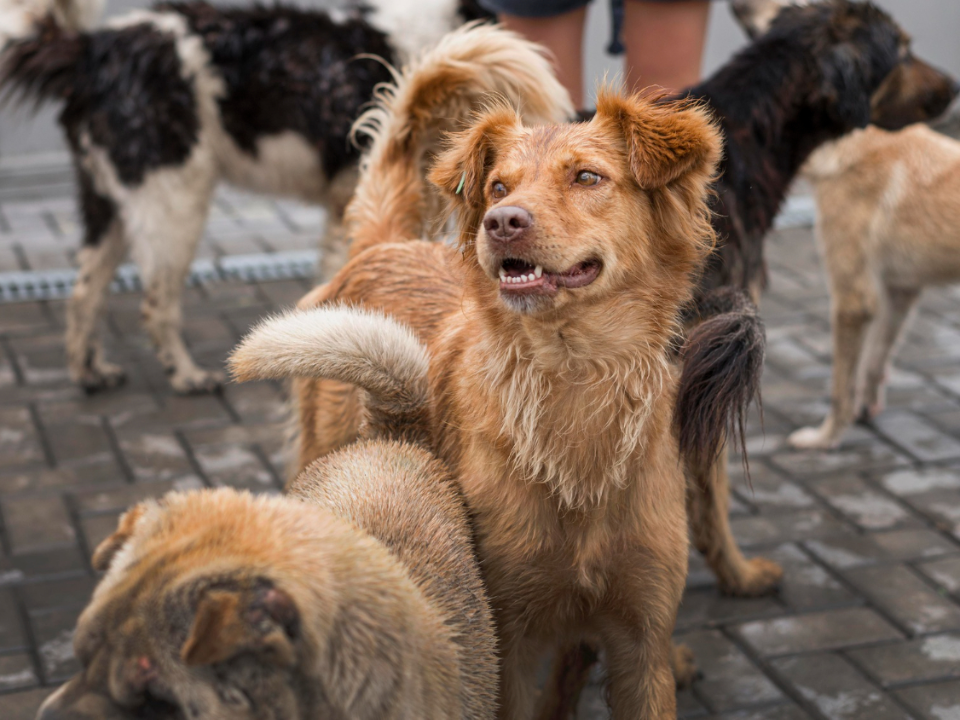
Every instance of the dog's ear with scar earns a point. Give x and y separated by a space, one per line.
231 620
665 140
460 171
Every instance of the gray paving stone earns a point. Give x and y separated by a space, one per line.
36 523
19 442
827 630
933 702
12 636
942 507
730 680
945 573
24 705
53 631
871 548
863 505
837 689
918 437
927 659
847 458
16 673
807 585
234 465
913 481
802 525
906 598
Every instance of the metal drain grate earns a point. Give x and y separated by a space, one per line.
57 284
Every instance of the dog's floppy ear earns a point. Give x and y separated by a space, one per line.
107 549
665 140
229 621
461 170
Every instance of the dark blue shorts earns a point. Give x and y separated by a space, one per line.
536 8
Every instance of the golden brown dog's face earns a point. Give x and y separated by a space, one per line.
563 214
175 632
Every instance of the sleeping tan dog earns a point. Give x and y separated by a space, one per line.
357 598
551 377
888 225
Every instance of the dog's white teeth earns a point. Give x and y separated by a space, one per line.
538 271
503 275
524 278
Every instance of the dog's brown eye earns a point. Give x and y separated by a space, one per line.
587 178
499 190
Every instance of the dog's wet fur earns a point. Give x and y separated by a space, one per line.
160 106
357 596
814 73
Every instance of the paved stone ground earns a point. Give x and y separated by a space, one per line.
867 624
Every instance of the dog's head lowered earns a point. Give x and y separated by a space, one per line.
566 214
870 73
216 606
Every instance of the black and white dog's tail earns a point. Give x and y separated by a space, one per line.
360 347
31 20
722 362
440 92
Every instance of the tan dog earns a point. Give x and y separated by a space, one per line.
359 597
888 213
551 376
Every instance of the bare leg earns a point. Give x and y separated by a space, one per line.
708 503
98 263
563 37
895 307
853 311
664 42
165 227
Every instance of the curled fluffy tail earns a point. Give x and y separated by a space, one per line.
360 347
21 19
438 93
722 362
43 67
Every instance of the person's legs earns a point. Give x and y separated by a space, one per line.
664 42
562 35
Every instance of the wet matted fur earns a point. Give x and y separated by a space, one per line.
357 597
160 106
888 213
553 395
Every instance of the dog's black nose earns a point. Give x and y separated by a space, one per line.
506 224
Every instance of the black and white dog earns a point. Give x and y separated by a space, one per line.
160 106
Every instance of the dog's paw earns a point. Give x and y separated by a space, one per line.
685 670
102 376
197 382
760 577
811 438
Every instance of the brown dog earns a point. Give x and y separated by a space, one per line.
888 209
551 374
359 597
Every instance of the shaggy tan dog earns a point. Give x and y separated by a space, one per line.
551 379
358 597
888 209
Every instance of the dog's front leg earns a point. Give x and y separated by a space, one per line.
708 508
102 253
639 655
520 655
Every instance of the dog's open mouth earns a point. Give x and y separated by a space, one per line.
521 278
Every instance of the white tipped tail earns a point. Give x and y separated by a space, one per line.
360 347
437 93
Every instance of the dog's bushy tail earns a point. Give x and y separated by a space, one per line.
361 347
43 67
722 362
437 93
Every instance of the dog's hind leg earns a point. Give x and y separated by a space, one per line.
708 503
165 223
896 306
854 309
103 250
